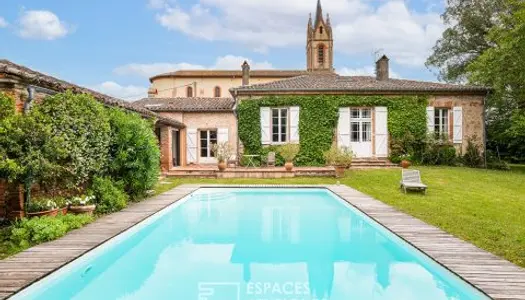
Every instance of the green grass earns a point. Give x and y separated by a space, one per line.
484 207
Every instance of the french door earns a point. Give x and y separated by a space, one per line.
361 131
207 139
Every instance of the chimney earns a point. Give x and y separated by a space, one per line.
245 74
152 92
382 68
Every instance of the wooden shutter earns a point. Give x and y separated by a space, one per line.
222 135
191 145
430 119
381 131
265 126
294 124
343 127
458 124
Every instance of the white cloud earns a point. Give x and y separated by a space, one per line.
42 25
228 62
360 26
363 71
128 92
3 23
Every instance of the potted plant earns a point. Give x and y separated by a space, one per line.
42 207
405 161
222 152
340 158
288 152
82 205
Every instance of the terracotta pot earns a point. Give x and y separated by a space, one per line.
340 171
86 209
288 166
405 164
222 166
48 213
64 211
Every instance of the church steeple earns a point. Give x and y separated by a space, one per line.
319 45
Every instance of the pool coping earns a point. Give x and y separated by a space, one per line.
494 276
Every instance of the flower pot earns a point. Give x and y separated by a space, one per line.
48 213
64 210
222 166
288 166
340 171
405 164
82 209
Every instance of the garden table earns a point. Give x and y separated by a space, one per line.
250 160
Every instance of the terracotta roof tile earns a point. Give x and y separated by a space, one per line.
327 83
230 73
32 77
192 104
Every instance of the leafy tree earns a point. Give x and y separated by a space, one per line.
469 22
502 67
134 152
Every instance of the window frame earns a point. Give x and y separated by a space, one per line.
189 92
280 125
360 119
321 54
442 122
209 151
217 91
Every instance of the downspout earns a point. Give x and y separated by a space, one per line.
236 114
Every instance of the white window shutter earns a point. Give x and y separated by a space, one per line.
265 126
430 119
458 124
294 124
343 127
381 132
191 145
222 135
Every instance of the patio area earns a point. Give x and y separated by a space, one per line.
211 171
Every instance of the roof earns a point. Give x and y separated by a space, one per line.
32 77
230 73
333 83
193 104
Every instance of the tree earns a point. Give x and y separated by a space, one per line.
469 22
502 67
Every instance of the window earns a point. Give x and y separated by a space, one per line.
321 30
441 122
360 125
207 139
217 92
189 91
320 54
279 125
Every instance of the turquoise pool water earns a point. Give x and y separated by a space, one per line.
254 244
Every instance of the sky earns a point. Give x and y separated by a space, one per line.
114 46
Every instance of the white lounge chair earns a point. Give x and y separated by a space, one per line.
411 180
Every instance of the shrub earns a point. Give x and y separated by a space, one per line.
7 106
134 152
472 157
109 196
222 151
27 232
288 151
438 152
42 204
339 156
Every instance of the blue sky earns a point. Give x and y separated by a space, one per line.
114 46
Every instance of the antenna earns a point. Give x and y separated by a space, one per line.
377 54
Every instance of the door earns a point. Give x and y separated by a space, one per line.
207 139
361 131
175 148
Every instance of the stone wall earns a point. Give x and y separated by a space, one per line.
473 116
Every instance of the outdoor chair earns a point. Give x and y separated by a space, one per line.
411 180
269 161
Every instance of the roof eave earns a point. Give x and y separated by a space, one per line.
249 92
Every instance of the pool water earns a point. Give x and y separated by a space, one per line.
254 244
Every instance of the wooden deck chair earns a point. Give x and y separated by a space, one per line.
269 161
411 180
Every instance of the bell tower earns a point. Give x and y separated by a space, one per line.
319 43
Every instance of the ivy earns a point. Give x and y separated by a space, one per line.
318 120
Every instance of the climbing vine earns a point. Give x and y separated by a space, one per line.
318 120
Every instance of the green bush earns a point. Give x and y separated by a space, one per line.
27 232
7 106
134 152
288 151
109 197
439 152
472 157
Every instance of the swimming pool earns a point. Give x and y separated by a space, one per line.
256 244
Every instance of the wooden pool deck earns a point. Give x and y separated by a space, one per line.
495 276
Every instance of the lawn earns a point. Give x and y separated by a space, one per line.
486 208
